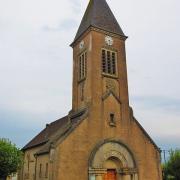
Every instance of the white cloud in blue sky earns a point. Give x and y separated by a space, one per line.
36 64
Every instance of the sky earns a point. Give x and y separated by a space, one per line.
36 64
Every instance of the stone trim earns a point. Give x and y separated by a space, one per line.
97 29
108 93
111 48
110 76
127 171
101 143
97 171
78 113
123 171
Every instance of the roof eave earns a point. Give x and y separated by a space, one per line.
34 146
124 37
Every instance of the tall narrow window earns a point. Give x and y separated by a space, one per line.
132 176
28 159
104 61
47 170
82 66
112 119
40 170
113 70
109 62
82 91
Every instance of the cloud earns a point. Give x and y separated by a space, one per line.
159 116
65 25
168 142
76 6
21 126
165 104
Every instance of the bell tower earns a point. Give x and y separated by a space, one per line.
99 62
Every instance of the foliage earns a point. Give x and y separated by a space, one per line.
171 169
10 158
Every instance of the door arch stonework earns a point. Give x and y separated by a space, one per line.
112 156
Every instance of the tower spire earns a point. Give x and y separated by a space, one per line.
99 15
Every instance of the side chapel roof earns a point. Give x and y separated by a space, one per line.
45 134
56 130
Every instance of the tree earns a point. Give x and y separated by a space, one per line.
10 158
171 169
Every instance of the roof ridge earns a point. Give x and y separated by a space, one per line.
46 133
58 120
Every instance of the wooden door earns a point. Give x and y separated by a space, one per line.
111 175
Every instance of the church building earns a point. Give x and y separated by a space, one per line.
99 139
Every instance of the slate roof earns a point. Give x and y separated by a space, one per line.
99 15
46 133
56 130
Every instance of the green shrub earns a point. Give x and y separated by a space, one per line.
10 158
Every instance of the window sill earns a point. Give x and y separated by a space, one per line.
112 124
81 80
110 76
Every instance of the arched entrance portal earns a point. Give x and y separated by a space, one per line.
112 160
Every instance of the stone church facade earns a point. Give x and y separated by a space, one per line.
99 139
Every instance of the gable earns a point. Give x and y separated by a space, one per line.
110 93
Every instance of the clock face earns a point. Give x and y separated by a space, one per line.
81 45
109 40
